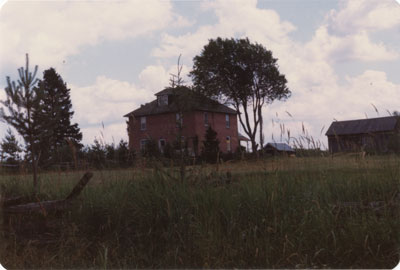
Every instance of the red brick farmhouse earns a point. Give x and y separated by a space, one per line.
179 111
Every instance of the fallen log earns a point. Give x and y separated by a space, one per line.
45 207
15 201
79 187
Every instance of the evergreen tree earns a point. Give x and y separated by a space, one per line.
211 146
55 117
96 154
22 100
10 148
124 155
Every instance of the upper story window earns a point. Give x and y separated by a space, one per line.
179 120
143 123
227 121
206 119
162 100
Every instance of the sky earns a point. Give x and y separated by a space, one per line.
341 58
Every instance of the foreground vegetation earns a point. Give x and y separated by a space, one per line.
275 213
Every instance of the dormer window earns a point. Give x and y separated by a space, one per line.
162 100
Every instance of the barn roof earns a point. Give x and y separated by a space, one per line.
280 147
243 138
362 126
192 101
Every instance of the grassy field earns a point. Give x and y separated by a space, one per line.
323 212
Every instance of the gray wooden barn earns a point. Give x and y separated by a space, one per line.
278 148
372 135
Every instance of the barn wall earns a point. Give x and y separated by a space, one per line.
373 142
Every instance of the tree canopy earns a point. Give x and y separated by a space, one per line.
242 74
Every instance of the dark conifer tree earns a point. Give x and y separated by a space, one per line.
10 148
55 118
211 146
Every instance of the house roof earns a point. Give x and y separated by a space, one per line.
243 138
192 101
166 91
280 147
361 126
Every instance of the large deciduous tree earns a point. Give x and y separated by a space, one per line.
242 74
22 100
55 117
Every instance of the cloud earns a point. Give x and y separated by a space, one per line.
181 22
111 133
157 77
364 15
355 47
345 33
52 30
106 102
154 77
261 24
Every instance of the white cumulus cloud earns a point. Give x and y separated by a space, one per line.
51 30
106 102
361 15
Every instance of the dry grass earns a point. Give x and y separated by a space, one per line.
272 213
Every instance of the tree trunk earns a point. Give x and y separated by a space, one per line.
32 149
261 128
34 164
254 145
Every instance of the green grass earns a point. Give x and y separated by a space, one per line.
275 213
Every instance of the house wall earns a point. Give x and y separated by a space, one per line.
217 123
163 126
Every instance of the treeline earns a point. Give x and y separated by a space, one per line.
97 155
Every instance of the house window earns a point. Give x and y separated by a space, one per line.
227 121
162 100
161 145
143 144
206 119
179 120
143 123
228 143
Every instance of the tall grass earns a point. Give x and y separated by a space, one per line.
275 213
